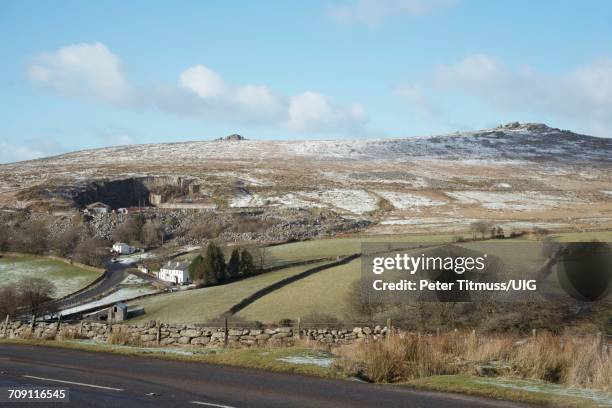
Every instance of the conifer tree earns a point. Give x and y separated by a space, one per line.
233 265
247 267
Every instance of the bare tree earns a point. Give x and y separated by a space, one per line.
262 256
128 231
481 227
152 233
9 300
66 242
36 294
91 252
30 237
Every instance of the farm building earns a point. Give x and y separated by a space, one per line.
175 272
123 249
118 312
97 208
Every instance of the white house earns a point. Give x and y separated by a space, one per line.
123 249
175 272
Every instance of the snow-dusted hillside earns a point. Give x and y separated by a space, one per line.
527 171
534 142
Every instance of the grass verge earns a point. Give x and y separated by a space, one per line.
265 358
471 385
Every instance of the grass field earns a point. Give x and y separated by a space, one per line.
67 278
201 305
324 292
603 236
332 247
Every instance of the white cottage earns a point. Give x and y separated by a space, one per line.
123 249
175 272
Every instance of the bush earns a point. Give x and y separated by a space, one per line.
92 252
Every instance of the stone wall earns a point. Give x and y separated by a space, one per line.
162 334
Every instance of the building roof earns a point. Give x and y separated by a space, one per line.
98 204
177 266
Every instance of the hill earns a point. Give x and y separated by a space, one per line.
519 175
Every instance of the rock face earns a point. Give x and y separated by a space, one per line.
232 138
191 335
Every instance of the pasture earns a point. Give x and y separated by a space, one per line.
66 277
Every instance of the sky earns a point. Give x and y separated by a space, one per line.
77 75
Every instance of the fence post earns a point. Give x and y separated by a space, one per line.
299 329
533 333
601 346
6 325
59 322
389 328
437 332
32 324
158 334
226 331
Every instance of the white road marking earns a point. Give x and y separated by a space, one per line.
74 383
209 404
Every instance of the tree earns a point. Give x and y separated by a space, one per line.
262 257
480 227
196 269
9 300
214 264
36 294
66 242
30 237
233 265
127 231
152 233
5 238
91 252
247 267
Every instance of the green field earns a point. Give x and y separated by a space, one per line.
324 292
603 236
67 278
202 305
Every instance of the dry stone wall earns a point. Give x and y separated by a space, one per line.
162 334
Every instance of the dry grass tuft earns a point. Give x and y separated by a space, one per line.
573 361
123 337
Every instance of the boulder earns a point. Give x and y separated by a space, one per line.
191 333
200 340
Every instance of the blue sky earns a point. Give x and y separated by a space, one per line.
79 74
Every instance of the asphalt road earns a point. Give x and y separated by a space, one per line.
108 380
115 273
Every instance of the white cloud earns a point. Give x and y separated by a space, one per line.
311 110
204 82
582 96
258 98
373 12
93 72
84 70
28 150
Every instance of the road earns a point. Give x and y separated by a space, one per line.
110 380
113 275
